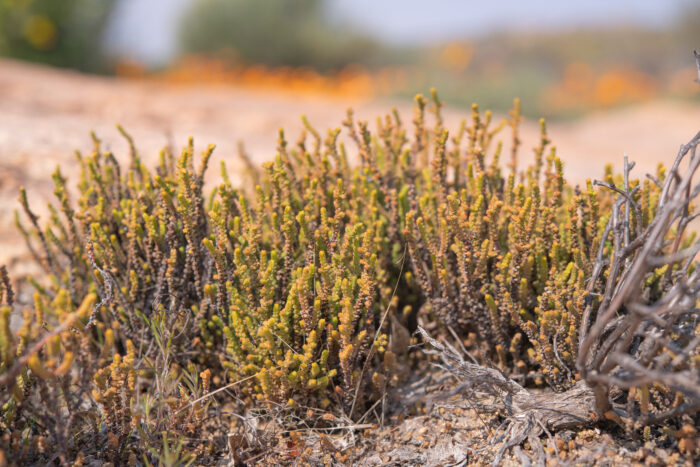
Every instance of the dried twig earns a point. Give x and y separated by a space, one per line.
609 352
527 414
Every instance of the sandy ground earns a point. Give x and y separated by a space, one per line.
46 114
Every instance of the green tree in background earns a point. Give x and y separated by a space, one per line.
273 32
65 33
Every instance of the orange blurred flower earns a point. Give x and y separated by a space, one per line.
352 81
581 89
621 86
456 56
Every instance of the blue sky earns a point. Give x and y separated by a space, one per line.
421 21
146 29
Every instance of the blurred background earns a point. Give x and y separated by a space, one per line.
611 77
562 59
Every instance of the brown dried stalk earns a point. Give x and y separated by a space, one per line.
528 414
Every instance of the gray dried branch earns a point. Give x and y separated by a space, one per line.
621 348
528 414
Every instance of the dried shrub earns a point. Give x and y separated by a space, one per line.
641 337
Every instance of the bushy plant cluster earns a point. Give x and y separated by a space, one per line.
297 290
509 262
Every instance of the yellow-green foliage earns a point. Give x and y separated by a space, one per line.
288 289
303 287
285 291
77 392
502 255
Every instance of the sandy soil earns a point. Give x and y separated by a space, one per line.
46 114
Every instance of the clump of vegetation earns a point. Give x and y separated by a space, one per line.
300 290
511 264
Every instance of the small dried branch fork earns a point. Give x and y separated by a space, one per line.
528 414
630 342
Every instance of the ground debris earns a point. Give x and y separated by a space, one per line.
453 434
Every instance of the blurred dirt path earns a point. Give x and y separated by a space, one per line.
45 114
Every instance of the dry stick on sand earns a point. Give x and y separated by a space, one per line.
627 341
528 414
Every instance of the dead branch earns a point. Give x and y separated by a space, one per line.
528 414
626 323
